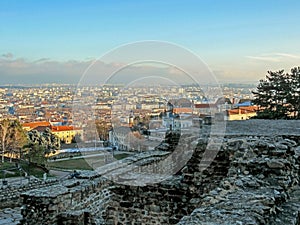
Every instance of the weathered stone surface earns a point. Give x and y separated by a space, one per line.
254 179
275 164
264 187
10 216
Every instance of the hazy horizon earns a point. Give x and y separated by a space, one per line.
56 41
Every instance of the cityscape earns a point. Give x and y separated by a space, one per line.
52 105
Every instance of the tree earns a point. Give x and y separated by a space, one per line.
34 153
50 141
18 139
4 133
12 137
41 144
294 96
102 129
278 95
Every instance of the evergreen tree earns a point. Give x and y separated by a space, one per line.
278 95
294 95
48 141
34 153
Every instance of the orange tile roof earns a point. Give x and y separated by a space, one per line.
233 111
243 110
63 128
33 125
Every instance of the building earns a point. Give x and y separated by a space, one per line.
67 133
205 108
34 125
241 113
170 119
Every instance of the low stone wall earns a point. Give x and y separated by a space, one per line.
64 203
10 195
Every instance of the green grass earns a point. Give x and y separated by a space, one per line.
6 165
33 170
121 156
14 172
11 168
83 164
71 164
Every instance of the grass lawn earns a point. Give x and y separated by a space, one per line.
83 164
121 156
10 170
71 164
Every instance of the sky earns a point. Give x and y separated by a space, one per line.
55 41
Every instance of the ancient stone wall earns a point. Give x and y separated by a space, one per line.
254 179
10 194
169 201
64 203
261 187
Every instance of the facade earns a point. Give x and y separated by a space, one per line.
241 113
170 119
206 108
66 133
123 138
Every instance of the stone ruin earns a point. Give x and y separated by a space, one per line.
254 179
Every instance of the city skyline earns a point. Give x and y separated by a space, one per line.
45 42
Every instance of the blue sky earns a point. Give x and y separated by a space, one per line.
239 40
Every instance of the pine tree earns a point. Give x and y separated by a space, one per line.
294 95
278 95
46 140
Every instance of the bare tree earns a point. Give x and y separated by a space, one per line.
5 126
18 139
12 137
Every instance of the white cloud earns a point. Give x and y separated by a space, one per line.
274 57
264 58
285 55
